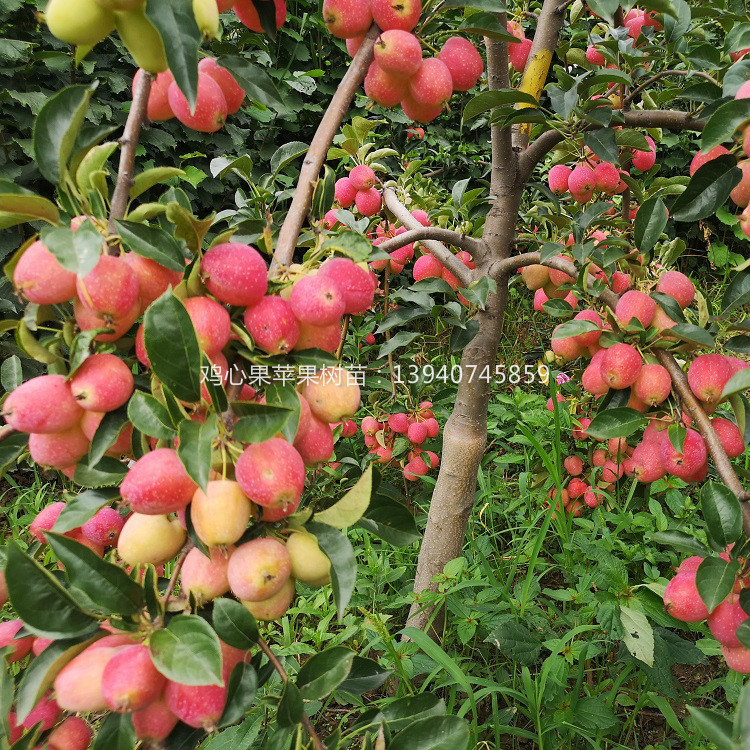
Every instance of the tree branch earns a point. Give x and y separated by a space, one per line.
448 236
279 667
440 251
637 118
128 146
318 150
663 74
543 46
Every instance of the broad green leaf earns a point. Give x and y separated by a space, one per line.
639 635
364 676
11 373
234 624
724 123
115 733
83 507
606 9
175 22
707 190
722 513
153 243
339 551
351 244
323 673
286 154
93 162
258 85
259 422
109 429
680 541
739 382
352 506
56 128
741 728
737 293
516 641
676 26
694 334
613 423
150 416
194 450
291 707
187 651
486 24
488 100
434 733
150 177
107 586
574 328
107 472
391 521
286 396
38 677
34 592
650 222
715 580
602 142
241 691
77 251
11 448
172 347
714 726
28 207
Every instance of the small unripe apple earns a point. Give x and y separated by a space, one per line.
79 22
150 539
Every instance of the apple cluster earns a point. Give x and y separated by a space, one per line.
357 189
115 673
683 602
399 74
380 437
592 175
219 95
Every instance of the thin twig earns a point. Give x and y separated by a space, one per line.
279 667
340 350
176 573
318 150
128 146
440 251
663 74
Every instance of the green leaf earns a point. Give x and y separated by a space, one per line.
433 733
150 177
260 422
351 244
722 513
737 293
56 128
82 508
187 651
650 222
574 328
516 641
486 24
241 691
291 708
258 85
605 9
234 624
714 726
352 506
107 472
28 207
39 675
212 380
172 347
733 79
76 251
488 100
602 142
11 373
115 733
613 423
680 541
724 123
150 416
739 382
153 243
339 551
34 592
286 395
92 163
286 154
391 521
676 26
175 22
107 432
323 673
639 635
715 580
364 676
107 586
402 338
194 450
694 334
741 727
707 190
11 448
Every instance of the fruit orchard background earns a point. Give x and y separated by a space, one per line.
535 649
